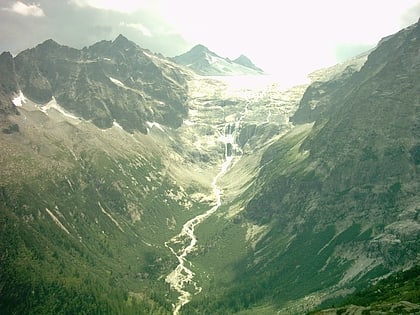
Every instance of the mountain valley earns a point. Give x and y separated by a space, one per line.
130 184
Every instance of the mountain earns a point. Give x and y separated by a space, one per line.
131 185
246 62
82 176
8 84
111 81
205 62
326 83
335 202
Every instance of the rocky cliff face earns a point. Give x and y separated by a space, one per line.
109 81
325 84
8 84
366 141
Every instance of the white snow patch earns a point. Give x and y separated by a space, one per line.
69 182
404 228
110 217
155 124
149 55
60 225
189 123
148 244
115 124
358 268
193 112
19 100
209 59
254 233
54 105
117 82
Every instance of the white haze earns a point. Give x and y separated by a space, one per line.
285 38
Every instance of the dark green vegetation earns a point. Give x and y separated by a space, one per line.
384 296
83 223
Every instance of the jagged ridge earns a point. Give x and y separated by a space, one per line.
106 82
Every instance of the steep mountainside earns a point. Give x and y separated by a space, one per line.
8 85
205 62
336 201
109 81
396 294
87 199
326 83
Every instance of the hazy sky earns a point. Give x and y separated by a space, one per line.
287 37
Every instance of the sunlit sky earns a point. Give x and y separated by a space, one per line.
285 37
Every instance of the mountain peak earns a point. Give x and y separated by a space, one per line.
245 61
200 47
49 43
121 38
52 48
123 42
6 55
243 58
205 62
200 51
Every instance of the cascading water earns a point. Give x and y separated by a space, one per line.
181 278
230 135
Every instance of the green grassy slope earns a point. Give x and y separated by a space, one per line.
84 215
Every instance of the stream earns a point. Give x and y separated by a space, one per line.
181 279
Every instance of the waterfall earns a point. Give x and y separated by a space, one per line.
182 276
